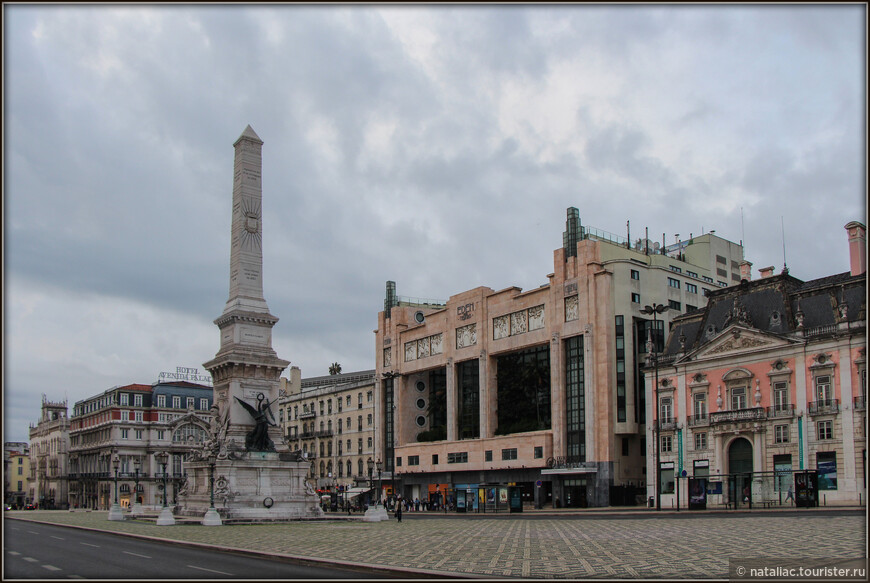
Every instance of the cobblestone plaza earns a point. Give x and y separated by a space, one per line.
555 546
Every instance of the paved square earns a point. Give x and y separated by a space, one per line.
564 547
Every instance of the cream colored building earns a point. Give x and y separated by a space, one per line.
16 472
542 388
49 455
331 420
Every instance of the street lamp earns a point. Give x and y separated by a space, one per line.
379 465
136 508
115 511
165 518
211 518
655 310
371 466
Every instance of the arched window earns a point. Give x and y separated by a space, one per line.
349 469
359 467
322 468
188 433
340 469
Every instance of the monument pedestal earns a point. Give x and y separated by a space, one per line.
255 486
376 513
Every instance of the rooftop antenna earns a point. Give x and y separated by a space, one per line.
782 226
742 229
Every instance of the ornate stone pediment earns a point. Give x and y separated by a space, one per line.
738 339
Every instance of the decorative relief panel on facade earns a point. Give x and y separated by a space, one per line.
536 318
388 359
424 347
738 343
572 308
501 327
519 323
437 342
466 336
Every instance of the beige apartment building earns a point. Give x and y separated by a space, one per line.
48 485
541 389
330 419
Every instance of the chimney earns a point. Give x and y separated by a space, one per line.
766 271
746 270
857 247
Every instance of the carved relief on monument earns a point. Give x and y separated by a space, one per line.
466 336
738 343
423 348
388 357
410 351
436 344
572 308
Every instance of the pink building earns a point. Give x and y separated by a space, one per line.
768 380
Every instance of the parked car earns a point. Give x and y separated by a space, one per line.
30 507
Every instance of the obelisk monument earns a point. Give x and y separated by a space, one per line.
255 476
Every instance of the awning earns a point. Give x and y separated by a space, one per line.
353 492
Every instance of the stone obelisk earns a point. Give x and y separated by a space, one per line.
255 475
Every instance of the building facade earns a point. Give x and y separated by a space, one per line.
49 448
16 472
768 380
542 389
330 419
135 422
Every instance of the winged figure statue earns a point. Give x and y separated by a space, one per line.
258 439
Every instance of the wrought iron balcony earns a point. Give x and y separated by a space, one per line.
824 406
751 414
307 414
696 420
778 411
325 433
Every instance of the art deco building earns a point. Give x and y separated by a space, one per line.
331 420
767 380
49 448
135 422
541 388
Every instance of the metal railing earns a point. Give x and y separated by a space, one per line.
780 411
738 415
667 424
823 406
696 420
860 403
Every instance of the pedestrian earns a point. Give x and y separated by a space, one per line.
790 494
416 505
399 512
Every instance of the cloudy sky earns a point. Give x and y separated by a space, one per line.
436 146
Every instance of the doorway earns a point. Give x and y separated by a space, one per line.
740 468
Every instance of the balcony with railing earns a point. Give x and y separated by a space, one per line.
823 407
779 411
325 433
667 424
308 414
308 435
860 403
698 420
751 414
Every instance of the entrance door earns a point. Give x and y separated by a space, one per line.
575 493
740 468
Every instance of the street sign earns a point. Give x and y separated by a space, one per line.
538 483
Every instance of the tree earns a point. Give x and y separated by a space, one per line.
334 368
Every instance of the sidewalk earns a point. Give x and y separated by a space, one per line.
546 545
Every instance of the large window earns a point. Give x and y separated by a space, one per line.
666 410
823 389
780 396
189 433
700 410
524 391
469 399
575 399
738 398
780 433
826 464
825 429
620 369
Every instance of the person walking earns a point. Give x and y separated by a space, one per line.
790 494
399 511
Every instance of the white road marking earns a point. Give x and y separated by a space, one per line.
13 553
58 537
51 567
210 570
30 559
136 555
33 532
90 545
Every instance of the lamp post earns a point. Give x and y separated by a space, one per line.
165 518
655 310
371 466
379 465
135 507
211 518
115 511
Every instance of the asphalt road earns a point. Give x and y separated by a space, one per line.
42 551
